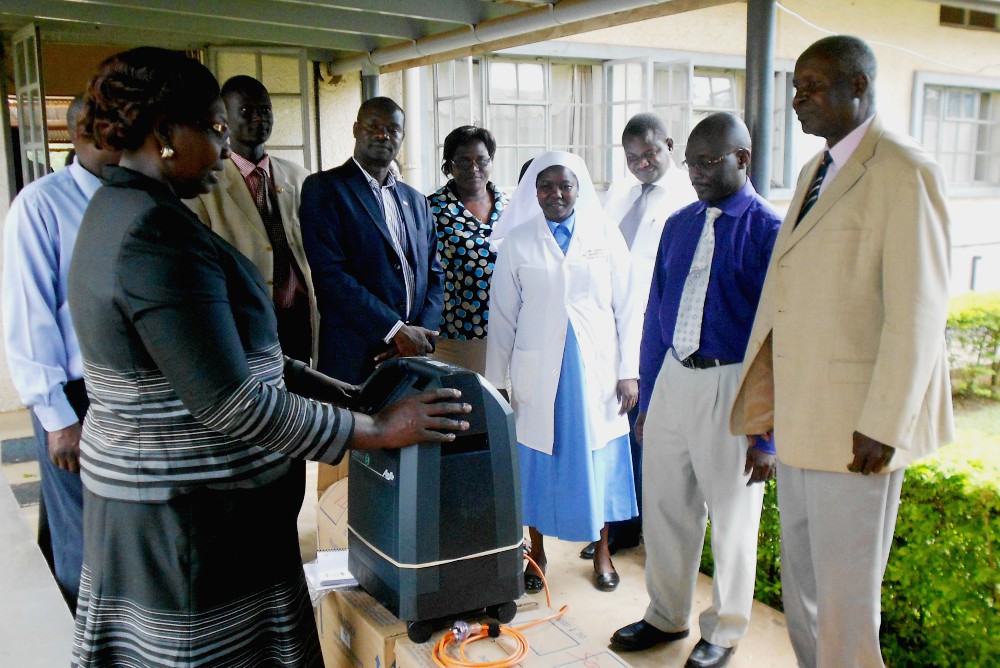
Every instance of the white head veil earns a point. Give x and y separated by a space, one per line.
523 206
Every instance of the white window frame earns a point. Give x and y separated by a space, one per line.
923 80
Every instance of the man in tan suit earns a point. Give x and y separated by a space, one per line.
255 207
846 362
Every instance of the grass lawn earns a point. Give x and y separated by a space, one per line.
977 435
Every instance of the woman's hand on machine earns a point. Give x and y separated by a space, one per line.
417 419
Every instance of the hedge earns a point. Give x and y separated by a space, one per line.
974 343
942 585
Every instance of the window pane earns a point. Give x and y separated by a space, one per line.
503 124
461 77
503 81
446 118
531 125
634 84
531 81
231 64
295 155
505 168
444 78
287 121
280 74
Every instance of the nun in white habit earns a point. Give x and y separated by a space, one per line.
565 330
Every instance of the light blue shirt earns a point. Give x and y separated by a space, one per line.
42 350
569 225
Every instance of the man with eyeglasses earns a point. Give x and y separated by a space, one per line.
372 246
641 204
707 280
255 207
847 362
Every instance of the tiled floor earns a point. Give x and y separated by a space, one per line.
597 613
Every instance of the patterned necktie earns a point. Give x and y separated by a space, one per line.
687 329
634 216
271 218
814 189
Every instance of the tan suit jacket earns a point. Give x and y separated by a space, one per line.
849 334
230 211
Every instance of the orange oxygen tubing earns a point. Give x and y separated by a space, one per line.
447 659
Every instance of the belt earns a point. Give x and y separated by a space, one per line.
697 361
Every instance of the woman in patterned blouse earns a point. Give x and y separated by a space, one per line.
466 209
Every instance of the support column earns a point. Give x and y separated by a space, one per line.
759 102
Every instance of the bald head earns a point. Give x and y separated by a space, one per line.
834 87
851 55
724 131
717 155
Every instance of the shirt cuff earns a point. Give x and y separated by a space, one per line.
764 444
392 332
57 414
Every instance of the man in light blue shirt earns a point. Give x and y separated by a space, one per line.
42 350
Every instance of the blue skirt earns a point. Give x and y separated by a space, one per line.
571 493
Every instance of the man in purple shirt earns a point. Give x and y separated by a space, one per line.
707 280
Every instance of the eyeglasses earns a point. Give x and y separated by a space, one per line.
702 165
467 163
393 131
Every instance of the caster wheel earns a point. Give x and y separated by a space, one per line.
419 632
504 612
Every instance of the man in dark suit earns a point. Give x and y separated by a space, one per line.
371 243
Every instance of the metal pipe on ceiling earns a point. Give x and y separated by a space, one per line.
541 18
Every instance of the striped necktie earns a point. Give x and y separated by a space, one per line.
814 189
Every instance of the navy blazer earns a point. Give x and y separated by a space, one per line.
356 272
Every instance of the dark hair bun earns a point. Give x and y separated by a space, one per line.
143 87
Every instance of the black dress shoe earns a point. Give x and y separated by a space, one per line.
643 635
606 581
707 655
588 552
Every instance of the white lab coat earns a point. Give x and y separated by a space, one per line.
535 292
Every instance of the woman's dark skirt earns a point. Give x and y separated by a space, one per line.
210 578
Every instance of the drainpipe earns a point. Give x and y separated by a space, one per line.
413 169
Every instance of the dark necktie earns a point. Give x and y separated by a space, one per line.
634 216
814 189
271 217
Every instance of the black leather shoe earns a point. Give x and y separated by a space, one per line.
643 635
707 655
606 581
588 552
532 581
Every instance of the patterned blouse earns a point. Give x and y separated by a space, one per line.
464 251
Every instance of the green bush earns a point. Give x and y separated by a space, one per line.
942 585
974 343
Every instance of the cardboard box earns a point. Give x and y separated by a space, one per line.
327 474
356 632
331 518
554 644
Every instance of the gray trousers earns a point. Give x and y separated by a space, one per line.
836 531
692 471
